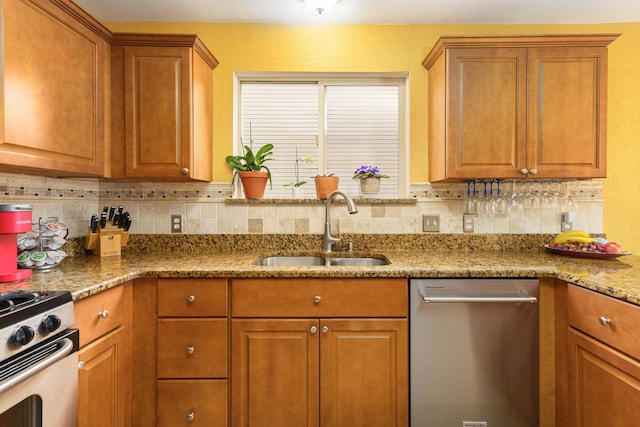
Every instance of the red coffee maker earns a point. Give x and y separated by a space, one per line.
14 220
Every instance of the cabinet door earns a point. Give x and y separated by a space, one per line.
274 373
364 373
55 81
567 112
604 385
486 128
104 382
157 111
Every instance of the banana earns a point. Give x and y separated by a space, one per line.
577 236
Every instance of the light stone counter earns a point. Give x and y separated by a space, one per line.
88 275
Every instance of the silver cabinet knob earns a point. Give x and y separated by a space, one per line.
80 366
313 330
191 416
604 321
191 298
524 171
185 171
191 350
103 314
533 171
317 299
325 329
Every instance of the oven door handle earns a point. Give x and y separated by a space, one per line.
65 349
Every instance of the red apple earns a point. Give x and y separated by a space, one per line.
613 248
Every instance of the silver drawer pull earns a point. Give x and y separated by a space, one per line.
604 321
80 366
191 350
103 314
313 329
191 416
317 299
191 298
325 329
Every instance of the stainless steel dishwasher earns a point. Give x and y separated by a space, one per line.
474 352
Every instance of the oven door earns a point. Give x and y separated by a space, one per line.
40 387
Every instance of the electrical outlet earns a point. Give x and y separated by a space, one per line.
431 223
176 223
467 223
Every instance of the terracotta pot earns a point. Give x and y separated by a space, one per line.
325 185
253 184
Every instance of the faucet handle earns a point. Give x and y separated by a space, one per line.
350 245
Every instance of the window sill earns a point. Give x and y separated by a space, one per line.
301 201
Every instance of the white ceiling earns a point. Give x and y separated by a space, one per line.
368 11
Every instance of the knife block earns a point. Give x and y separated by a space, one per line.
106 241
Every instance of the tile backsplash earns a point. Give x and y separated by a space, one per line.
207 208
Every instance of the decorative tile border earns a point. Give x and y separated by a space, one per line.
208 208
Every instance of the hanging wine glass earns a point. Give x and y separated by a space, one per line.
548 200
514 202
498 203
568 204
531 199
485 206
471 204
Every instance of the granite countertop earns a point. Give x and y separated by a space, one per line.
87 275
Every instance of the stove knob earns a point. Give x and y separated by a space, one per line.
23 335
50 323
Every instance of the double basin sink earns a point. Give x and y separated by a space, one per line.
316 260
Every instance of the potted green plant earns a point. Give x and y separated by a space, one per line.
250 168
295 186
369 177
325 185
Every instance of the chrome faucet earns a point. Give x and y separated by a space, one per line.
328 240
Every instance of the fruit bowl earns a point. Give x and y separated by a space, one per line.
585 254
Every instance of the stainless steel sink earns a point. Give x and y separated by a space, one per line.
290 261
312 260
358 262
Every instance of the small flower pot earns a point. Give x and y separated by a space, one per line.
296 192
369 187
253 184
326 185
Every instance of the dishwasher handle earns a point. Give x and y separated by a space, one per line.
427 299
509 297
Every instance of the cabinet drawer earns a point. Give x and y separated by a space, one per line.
102 313
290 297
192 348
192 402
192 297
587 309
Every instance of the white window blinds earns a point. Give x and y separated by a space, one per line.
285 115
341 126
362 129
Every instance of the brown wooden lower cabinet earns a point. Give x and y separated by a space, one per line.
192 403
317 372
604 384
603 360
102 391
104 376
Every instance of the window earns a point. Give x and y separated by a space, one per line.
342 122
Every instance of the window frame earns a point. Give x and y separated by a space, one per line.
400 79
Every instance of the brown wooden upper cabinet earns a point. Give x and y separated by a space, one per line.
518 107
162 99
53 106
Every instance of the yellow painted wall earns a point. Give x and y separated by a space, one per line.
386 48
